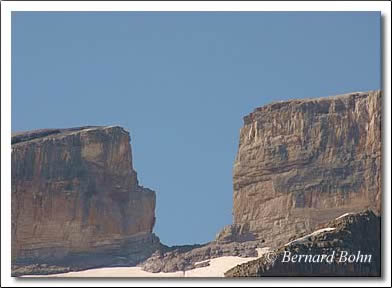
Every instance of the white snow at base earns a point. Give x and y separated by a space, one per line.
217 268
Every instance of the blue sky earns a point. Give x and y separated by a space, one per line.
181 83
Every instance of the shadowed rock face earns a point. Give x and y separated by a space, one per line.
303 162
351 243
74 191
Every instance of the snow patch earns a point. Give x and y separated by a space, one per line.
305 239
344 215
217 268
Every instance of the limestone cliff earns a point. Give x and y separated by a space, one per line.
75 192
303 162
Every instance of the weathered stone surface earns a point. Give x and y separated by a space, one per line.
303 162
358 235
183 258
75 192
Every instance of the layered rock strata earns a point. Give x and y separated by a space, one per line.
304 162
351 245
75 194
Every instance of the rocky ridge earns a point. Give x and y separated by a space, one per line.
356 234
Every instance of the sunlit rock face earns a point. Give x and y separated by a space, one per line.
75 191
303 162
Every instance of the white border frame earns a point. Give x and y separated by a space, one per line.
8 7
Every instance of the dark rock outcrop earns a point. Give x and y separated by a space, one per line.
76 201
358 235
301 163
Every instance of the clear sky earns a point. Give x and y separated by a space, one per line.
181 84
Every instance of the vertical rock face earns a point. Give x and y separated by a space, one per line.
75 191
304 162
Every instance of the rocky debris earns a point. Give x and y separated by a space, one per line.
301 163
172 259
356 234
76 200
39 269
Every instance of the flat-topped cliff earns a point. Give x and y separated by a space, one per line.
74 191
304 162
